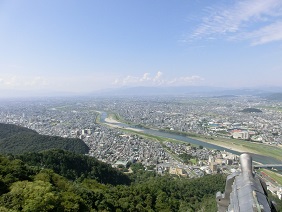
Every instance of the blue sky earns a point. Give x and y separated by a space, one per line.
84 46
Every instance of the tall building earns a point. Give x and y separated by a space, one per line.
213 167
211 159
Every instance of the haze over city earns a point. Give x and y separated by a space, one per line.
141 105
72 47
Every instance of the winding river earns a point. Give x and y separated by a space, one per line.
256 157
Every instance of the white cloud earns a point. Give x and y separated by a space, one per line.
272 32
81 83
245 19
145 77
36 81
22 82
158 80
11 81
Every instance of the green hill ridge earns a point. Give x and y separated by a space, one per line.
18 140
27 186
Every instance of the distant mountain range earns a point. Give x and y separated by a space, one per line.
189 91
272 96
196 91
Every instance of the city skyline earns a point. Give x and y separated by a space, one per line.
81 47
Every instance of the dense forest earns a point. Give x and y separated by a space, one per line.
8 130
40 182
18 140
75 166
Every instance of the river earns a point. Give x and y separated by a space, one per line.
256 157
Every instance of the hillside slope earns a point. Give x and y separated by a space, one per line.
18 140
74 166
26 187
8 130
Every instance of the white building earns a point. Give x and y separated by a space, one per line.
241 135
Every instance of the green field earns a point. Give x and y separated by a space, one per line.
246 146
273 175
277 108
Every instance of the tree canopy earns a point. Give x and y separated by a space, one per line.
18 140
41 182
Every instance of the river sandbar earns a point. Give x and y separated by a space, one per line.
228 145
111 120
114 123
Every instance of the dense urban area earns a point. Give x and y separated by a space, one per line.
251 119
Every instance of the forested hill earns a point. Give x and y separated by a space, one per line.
75 166
18 140
57 180
8 130
31 186
251 110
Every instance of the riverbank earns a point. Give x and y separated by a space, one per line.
111 122
116 124
237 145
227 144
245 146
261 153
222 142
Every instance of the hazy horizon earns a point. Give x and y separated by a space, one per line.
71 47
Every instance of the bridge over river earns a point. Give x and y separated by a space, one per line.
276 166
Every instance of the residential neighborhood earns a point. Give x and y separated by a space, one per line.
120 147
